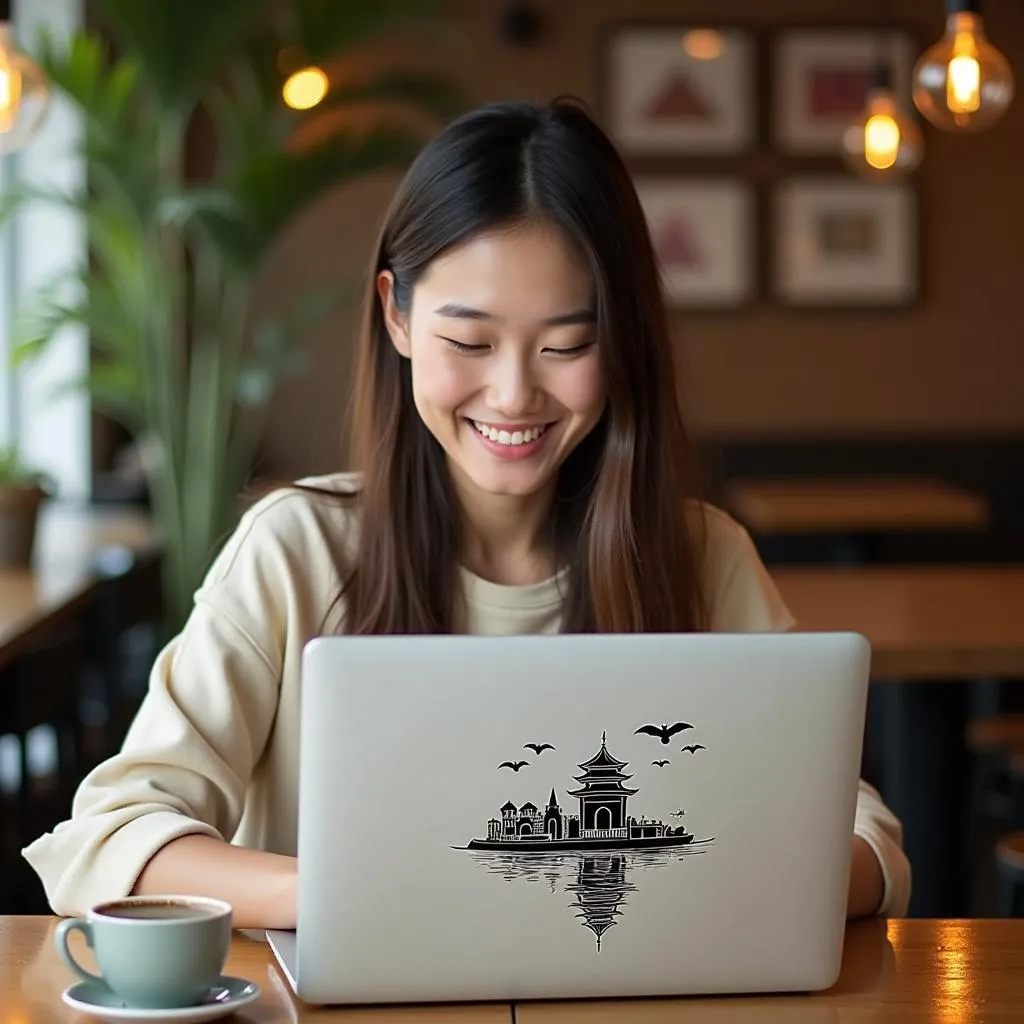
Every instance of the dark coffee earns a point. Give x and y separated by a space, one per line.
156 911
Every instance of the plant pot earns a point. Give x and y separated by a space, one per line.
19 514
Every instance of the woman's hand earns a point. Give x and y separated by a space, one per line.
867 885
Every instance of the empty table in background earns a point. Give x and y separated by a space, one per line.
854 505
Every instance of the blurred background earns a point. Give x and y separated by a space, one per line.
190 194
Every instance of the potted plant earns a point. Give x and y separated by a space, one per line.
22 492
179 357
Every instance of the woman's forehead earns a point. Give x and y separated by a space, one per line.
506 271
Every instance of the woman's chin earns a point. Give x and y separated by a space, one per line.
509 480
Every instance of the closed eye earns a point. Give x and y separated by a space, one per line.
461 346
574 351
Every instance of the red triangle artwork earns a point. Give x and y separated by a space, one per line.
677 243
837 92
677 98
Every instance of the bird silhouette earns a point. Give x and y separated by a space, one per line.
538 748
514 765
661 763
694 747
678 814
663 732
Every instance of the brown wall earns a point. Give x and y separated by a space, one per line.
953 364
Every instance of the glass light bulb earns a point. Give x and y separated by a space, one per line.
881 141
305 88
885 141
963 83
24 95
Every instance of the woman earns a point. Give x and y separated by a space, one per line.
522 468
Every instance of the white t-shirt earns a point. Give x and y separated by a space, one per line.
214 746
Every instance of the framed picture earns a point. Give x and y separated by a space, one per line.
679 89
840 242
704 236
821 79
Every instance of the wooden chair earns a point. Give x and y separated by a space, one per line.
1010 865
993 739
996 734
42 687
1015 796
128 597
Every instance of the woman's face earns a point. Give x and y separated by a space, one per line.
501 335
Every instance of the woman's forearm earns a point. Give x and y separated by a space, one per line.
867 885
261 887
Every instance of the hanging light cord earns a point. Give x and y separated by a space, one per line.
883 61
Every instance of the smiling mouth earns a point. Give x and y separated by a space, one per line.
512 438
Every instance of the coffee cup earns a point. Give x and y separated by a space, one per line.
153 952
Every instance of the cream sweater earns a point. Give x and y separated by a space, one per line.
214 746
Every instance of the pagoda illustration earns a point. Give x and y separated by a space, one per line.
601 823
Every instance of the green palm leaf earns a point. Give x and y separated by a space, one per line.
114 381
102 91
116 390
280 184
181 44
22 195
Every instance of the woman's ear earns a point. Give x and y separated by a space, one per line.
394 321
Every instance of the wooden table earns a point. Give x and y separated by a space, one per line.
924 622
854 505
64 572
904 972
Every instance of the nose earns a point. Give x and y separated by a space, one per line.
513 389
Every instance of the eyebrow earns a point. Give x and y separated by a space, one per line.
458 311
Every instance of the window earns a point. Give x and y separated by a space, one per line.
53 433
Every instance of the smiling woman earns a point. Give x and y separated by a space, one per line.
508 378
518 312
507 382
521 468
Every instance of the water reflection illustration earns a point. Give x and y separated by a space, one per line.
599 883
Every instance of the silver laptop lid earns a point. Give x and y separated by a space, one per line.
545 817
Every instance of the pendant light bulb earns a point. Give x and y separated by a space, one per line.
24 94
885 141
963 83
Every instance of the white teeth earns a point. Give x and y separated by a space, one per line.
510 438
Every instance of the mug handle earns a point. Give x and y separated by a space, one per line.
60 937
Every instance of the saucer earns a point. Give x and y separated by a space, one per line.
226 996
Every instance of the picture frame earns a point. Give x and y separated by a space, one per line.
840 242
658 99
704 233
821 77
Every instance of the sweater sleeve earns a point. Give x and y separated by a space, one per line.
187 760
742 597
882 831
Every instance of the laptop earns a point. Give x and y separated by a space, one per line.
553 817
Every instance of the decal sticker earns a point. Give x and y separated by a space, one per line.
592 846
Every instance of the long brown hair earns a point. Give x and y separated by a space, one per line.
624 518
